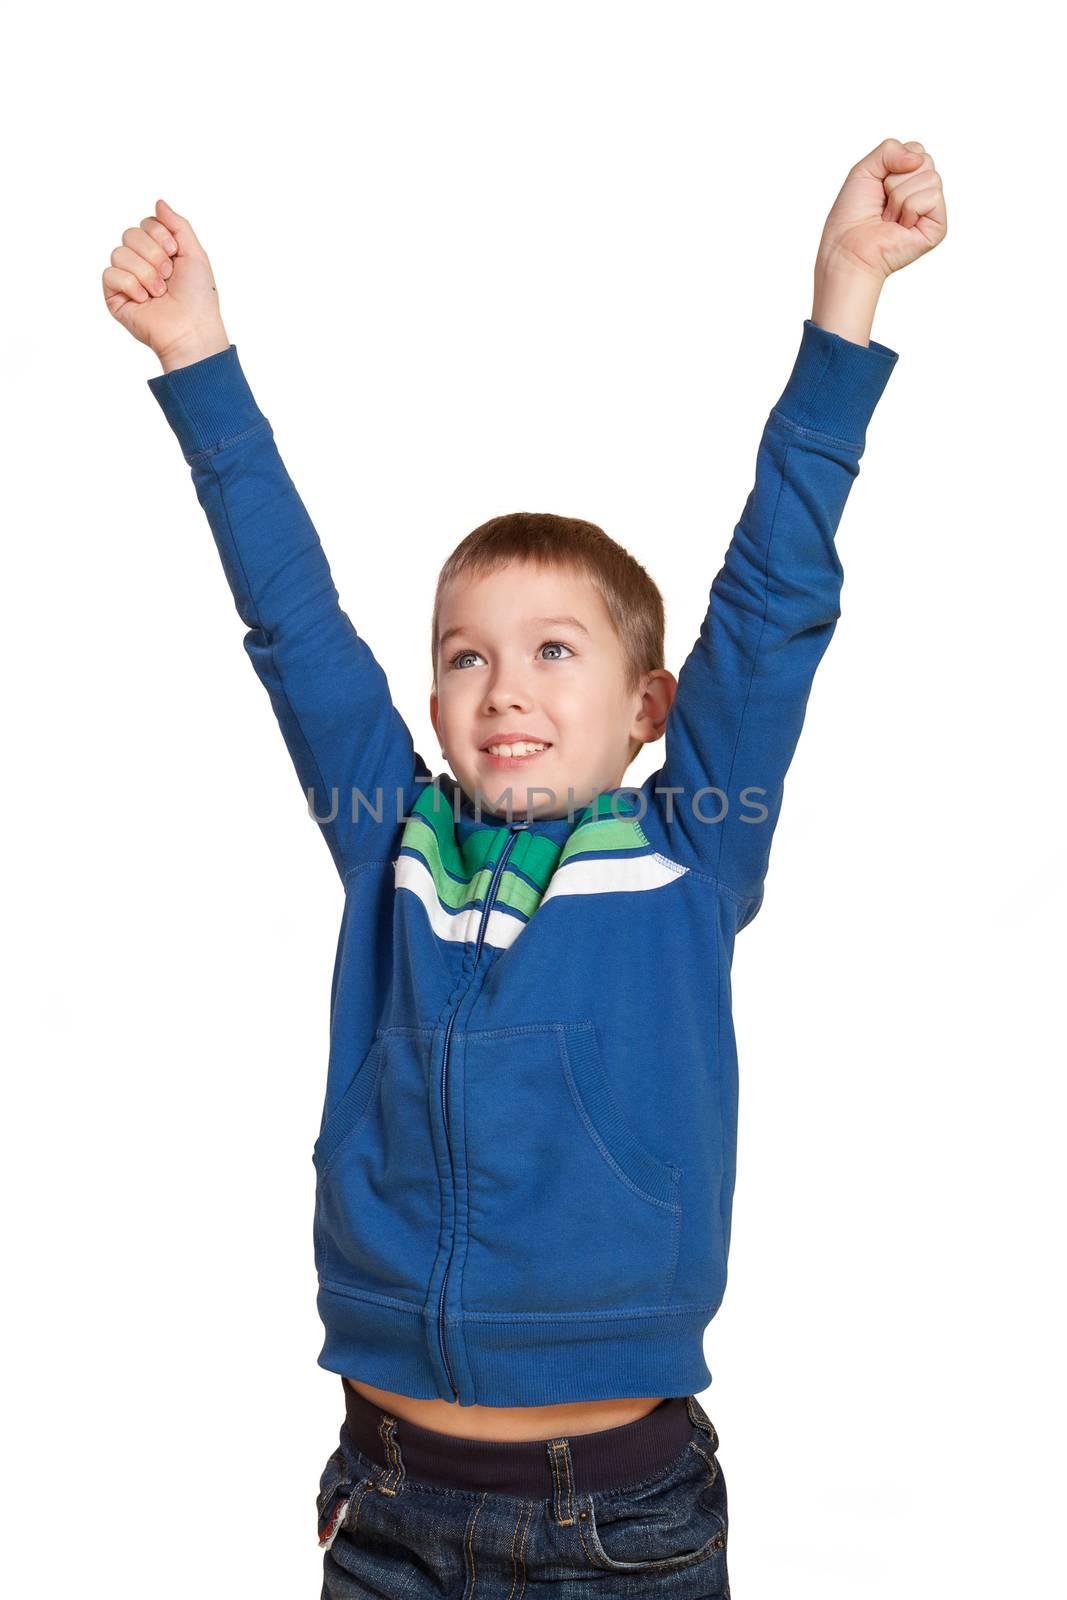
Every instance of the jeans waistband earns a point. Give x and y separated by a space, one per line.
611 1458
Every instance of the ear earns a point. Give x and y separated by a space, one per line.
434 714
657 696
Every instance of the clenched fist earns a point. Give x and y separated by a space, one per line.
160 286
890 211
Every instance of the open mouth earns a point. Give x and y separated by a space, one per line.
517 753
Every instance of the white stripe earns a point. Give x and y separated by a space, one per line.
601 875
461 927
612 875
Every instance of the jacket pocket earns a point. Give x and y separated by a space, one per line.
349 1110
568 1209
377 1200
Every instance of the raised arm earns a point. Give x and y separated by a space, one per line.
733 727
743 690
329 693
349 744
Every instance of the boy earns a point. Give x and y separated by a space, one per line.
524 1172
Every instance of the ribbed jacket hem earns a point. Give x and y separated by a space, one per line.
532 1361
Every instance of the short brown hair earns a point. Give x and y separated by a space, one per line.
633 601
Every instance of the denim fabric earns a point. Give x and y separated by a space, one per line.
386 1535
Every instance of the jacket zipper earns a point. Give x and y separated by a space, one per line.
514 828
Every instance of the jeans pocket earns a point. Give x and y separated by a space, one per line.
661 1526
337 1484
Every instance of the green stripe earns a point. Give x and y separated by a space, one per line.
434 810
609 834
604 809
536 856
517 894
423 841
462 872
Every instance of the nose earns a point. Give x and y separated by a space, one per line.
506 691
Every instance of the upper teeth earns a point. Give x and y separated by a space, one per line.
520 749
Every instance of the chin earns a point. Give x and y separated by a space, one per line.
495 798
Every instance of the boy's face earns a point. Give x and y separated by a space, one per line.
534 653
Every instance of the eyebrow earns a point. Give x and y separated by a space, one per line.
568 622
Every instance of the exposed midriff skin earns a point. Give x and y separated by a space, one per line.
507 1424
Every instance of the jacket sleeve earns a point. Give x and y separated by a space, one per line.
329 694
743 689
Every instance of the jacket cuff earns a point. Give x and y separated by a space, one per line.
207 402
836 384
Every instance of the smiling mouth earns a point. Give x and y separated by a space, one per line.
516 755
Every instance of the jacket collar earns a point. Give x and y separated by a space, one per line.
556 829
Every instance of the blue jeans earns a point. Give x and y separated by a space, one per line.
406 1513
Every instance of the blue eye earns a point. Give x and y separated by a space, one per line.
549 644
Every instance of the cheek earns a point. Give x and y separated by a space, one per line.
457 712
586 719
591 707
455 709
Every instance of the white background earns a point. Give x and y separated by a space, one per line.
476 259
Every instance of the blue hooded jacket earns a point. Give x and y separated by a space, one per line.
525 1165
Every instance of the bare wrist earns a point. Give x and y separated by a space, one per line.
195 347
845 297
